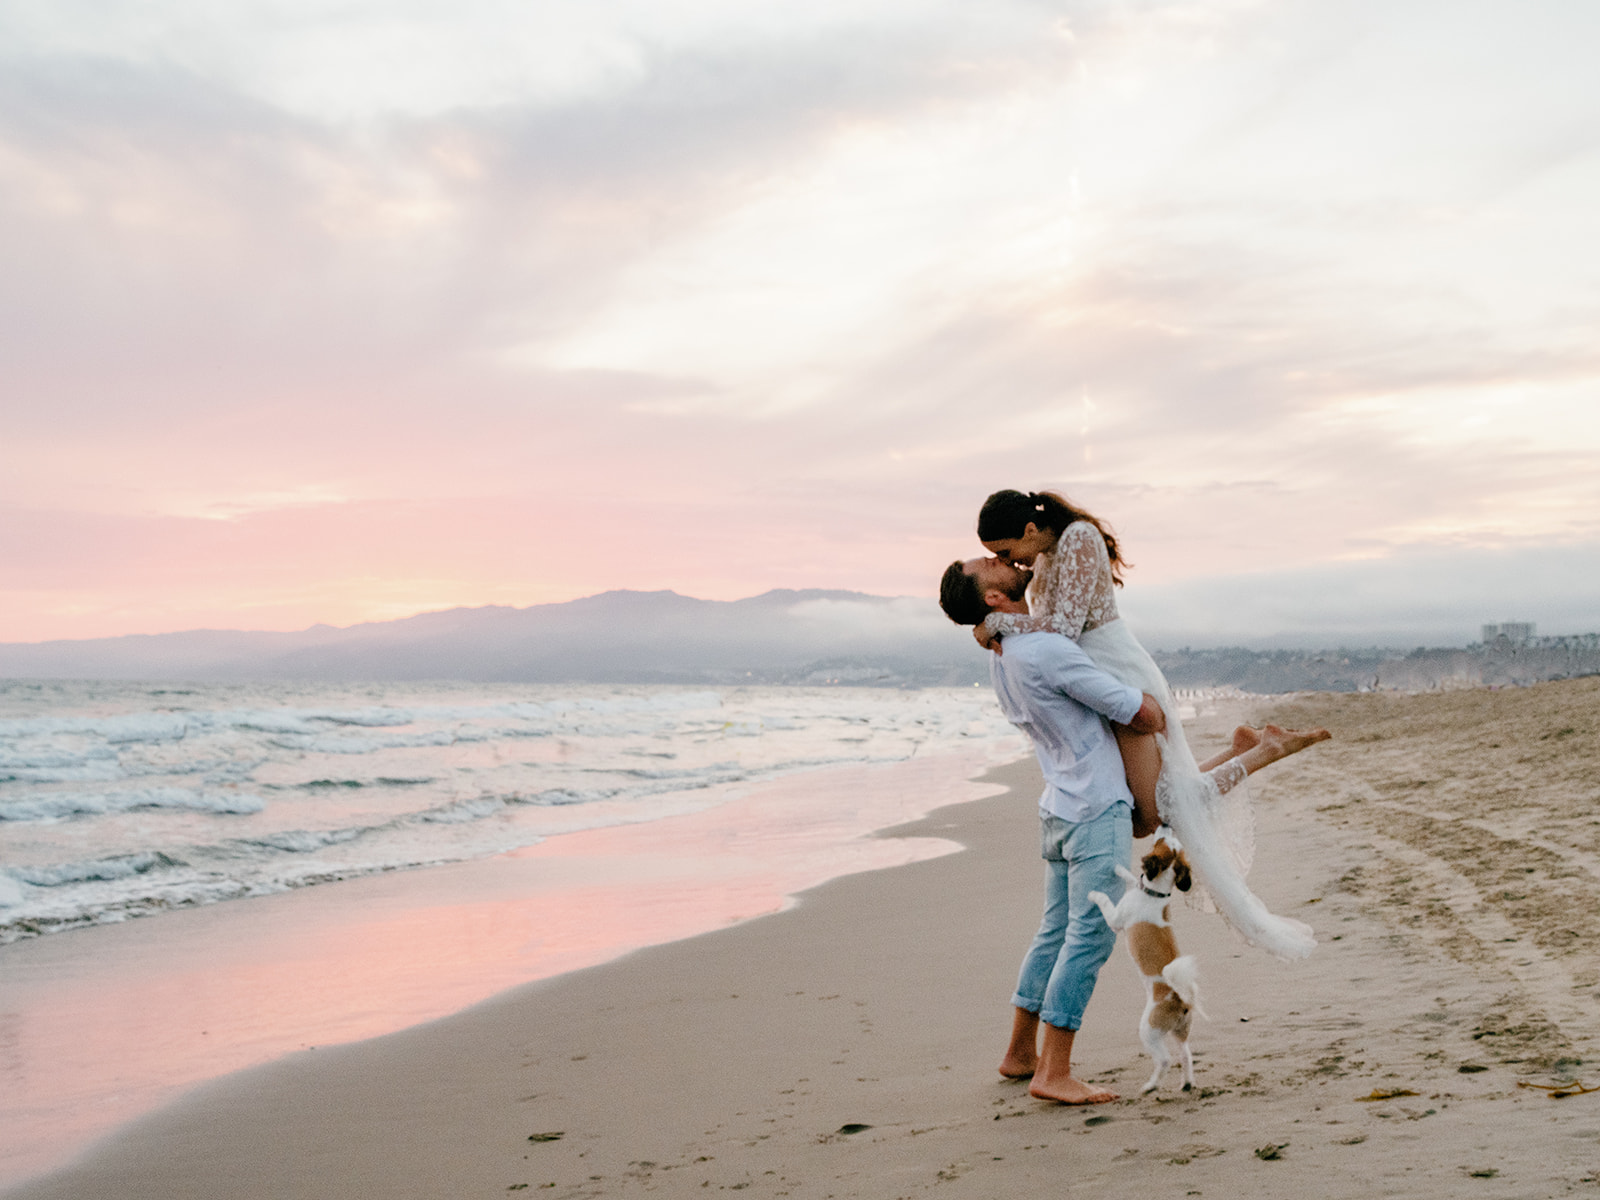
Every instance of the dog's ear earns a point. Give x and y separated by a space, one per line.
1180 874
1157 861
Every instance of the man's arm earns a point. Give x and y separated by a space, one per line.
1150 718
1066 668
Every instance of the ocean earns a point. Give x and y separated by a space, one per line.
122 801
197 880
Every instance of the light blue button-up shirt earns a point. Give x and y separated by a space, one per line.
1052 691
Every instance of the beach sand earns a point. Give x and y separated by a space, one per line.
1444 847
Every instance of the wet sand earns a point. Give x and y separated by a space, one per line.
99 1026
1444 846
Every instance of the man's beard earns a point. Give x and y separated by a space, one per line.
1019 589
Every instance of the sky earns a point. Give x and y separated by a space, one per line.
337 310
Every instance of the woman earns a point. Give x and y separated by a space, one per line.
1076 563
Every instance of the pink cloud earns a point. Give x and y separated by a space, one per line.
263 369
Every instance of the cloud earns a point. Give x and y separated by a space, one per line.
666 295
156 209
862 621
1421 596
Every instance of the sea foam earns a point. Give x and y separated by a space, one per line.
56 806
244 791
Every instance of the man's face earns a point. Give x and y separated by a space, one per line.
991 574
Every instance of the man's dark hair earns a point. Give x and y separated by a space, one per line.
960 596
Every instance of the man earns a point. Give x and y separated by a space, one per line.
1051 690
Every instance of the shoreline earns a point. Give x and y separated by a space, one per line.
846 1046
101 1025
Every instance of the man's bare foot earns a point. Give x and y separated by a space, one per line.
1070 1090
1016 1066
1245 738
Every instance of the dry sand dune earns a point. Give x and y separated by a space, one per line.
1444 846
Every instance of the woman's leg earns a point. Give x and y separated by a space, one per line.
1258 748
1253 748
1141 760
1277 742
1244 738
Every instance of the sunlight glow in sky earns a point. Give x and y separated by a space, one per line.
338 310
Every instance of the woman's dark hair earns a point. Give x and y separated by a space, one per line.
1007 514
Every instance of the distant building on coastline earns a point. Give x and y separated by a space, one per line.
1517 633
1499 661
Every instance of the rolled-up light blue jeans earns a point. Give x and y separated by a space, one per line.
1061 966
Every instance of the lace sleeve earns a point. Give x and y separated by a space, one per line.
1069 580
1003 625
1228 776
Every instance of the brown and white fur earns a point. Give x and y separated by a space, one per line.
1172 996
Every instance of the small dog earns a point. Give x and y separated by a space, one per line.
1172 995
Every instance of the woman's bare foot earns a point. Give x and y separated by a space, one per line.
1070 1090
1245 739
1277 742
1280 743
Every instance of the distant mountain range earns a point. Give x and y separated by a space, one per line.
796 637
811 637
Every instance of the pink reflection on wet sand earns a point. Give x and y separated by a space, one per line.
100 1025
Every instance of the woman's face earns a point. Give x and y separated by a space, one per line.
1021 551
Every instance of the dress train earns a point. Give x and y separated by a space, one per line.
1216 830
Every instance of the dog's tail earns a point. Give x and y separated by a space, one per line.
1183 976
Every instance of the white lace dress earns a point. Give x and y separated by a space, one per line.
1072 594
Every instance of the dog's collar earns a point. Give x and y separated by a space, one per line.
1150 891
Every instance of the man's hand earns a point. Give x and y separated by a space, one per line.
987 640
1149 718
